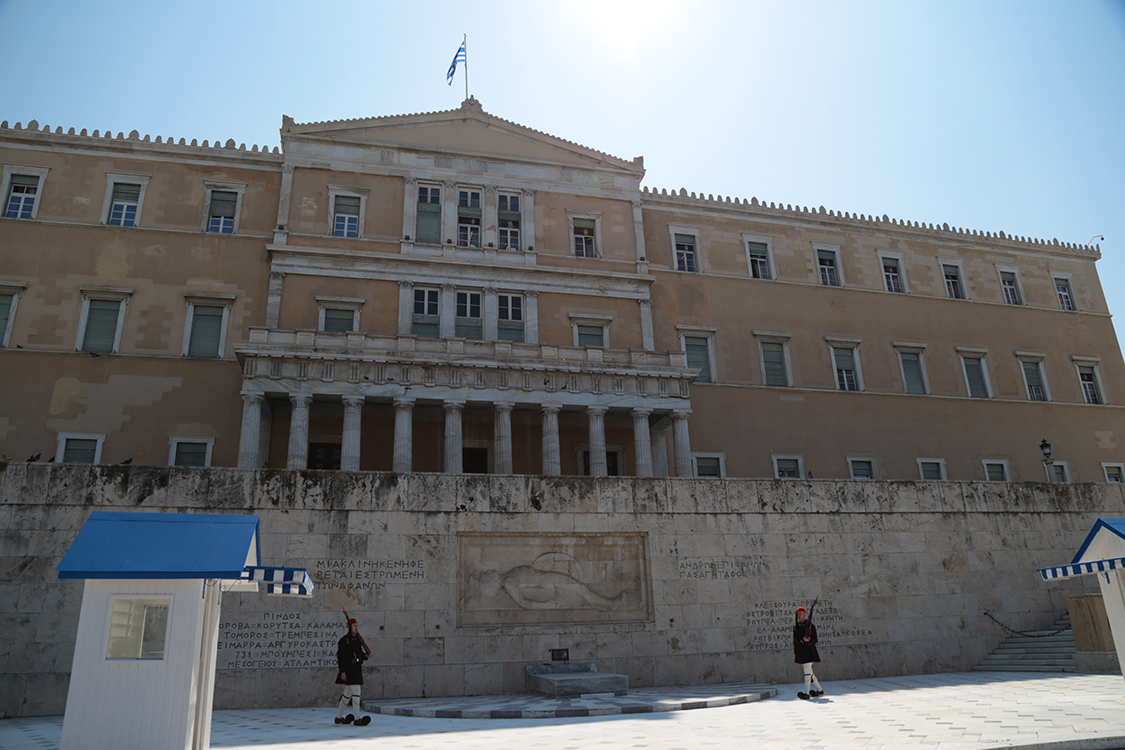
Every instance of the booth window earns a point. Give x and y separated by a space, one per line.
138 628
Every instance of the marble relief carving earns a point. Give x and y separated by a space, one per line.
530 579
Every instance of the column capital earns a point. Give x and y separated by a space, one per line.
411 181
642 411
550 408
288 169
404 402
490 289
352 400
449 287
302 399
490 190
253 396
277 275
404 284
453 405
527 193
502 405
645 302
636 203
450 186
531 293
681 413
599 410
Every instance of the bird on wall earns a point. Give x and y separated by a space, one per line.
34 458
51 460
127 461
93 354
6 458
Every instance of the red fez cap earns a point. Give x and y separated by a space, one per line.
800 609
353 621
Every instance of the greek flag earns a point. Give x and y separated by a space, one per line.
459 57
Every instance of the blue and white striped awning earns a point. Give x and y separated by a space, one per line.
281 581
1082 568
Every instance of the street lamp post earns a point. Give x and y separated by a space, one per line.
1048 462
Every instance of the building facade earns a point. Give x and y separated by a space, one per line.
453 292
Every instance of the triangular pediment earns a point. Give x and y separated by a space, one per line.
467 130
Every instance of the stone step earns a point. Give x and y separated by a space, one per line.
990 661
1021 668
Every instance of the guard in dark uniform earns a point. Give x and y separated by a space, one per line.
805 653
351 652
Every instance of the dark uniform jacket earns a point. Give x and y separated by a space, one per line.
803 653
351 652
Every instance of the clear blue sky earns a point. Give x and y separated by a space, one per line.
996 116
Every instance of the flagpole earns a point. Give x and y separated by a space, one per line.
465 43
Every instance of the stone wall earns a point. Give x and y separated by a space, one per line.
459 581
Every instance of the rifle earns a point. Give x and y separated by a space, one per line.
366 650
813 607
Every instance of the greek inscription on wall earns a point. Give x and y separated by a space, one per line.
278 640
365 574
708 568
771 625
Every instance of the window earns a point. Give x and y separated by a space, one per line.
468 218
954 285
976 375
584 245
775 366
138 628
1034 380
339 314
847 373
685 253
345 216
1058 471
788 467
9 299
124 197
469 324
913 374
99 326
338 321
1088 377
931 468
709 464
614 460
996 471
508 221
1114 472
759 256
862 468
79 448
892 275
1065 295
697 344
206 325
590 330
190 451
425 321
1010 286
428 223
21 186
591 336
510 314
828 261
223 202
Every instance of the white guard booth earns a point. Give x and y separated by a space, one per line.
1103 555
143 675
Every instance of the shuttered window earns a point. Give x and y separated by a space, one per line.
1089 385
759 260
773 363
788 468
339 320
892 275
223 206
862 469
510 323
206 331
1113 474
685 253
123 204
974 376
1066 297
1034 376
101 325
912 373
345 214
425 322
191 454
584 238
931 469
996 472
80 451
1059 471
469 324
826 260
428 229
1011 290
21 196
699 356
708 466
845 369
5 314
954 288
591 336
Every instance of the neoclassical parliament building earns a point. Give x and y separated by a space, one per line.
454 292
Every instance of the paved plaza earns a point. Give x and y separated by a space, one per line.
945 711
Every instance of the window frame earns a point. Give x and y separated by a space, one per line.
697 250
1068 280
325 302
210 187
900 261
941 468
427 185
478 326
111 179
619 450
1049 470
585 319
1034 358
1017 284
16 289
437 291
1000 462
837 342
982 355
174 442
60 445
700 332
960 266
760 239
874 468
907 347
596 217
90 293
771 337
206 299
1093 363
470 212
695 456
506 216
168 629
834 249
788 457
24 170
1107 465
500 322
347 191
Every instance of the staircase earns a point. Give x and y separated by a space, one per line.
1046 653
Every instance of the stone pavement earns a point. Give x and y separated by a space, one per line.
959 711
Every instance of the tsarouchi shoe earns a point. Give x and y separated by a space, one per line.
803 696
363 721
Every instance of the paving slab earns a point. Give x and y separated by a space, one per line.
958 711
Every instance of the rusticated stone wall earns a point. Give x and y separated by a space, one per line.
459 581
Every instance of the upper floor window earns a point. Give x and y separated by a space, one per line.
223 201
913 372
590 330
469 324
590 335
584 245
828 261
125 195
468 218
1091 390
685 253
510 315
759 255
996 471
1065 295
345 216
976 375
21 187
1034 380
508 221
101 320
931 468
1010 285
205 332
847 368
426 322
428 222
893 278
698 349
190 451
862 468
79 448
775 366
788 467
710 464
954 283
1114 472
10 294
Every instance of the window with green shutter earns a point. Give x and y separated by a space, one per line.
996 472
1090 390
80 451
788 468
339 320
708 466
862 469
974 376
101 325
5 315
190 454
912 373
223 206
699 356
931 469
845 369
345 212
591 336
773 363
428 224
1033 374
123 204
206 331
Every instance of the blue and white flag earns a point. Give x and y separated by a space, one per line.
459 57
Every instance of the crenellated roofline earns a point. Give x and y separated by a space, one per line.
33 127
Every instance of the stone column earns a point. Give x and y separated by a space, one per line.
682 442
273 299
531 316
405 308
349 449
404 434
299 431
248 450
647 339
502 437
660 453
284 197
410 209
552 461
454 446
596 416
448 214
447 320
527 219
491 302
642 442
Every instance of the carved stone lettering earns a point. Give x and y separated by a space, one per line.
771 625
278 640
